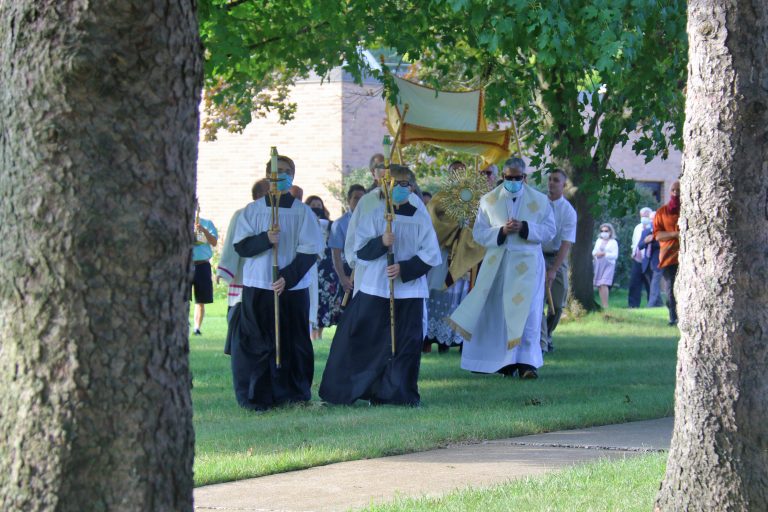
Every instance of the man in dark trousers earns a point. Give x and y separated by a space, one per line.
650 265
667 232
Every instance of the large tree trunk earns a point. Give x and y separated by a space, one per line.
582 289
98 144
719 454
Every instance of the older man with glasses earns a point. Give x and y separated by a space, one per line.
501 316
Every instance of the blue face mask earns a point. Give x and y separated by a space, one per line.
513 186
285 181
400 194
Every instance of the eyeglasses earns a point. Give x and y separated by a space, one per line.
487 173
514 178
403 183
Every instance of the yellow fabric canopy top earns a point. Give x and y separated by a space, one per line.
450 120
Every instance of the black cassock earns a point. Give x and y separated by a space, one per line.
360 363
257 381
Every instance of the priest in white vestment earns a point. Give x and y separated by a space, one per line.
501 316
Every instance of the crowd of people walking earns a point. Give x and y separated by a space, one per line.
384 275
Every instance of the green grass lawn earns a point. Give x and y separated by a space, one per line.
608 368
626 485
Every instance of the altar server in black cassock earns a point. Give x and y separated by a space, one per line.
258 383
360 364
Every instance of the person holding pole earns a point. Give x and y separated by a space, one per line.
368 359
206 238
280 239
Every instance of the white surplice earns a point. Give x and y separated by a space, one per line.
299 233
364 209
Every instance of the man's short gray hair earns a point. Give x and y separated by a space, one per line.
645 211
515 162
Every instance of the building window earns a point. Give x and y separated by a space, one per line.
654 187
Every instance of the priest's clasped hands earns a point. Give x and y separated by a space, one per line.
512 226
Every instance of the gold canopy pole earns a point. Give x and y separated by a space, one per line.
274 196
517 136
389 215
345 300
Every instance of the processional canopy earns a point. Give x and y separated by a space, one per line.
449 120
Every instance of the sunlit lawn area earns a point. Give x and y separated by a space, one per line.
627 485
608 368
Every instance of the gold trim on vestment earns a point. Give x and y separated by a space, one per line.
456 327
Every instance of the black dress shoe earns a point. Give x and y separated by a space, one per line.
527 372
509 370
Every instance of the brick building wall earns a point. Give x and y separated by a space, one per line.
228 167
657 170
363 125
337 127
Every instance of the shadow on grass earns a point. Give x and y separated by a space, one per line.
608 368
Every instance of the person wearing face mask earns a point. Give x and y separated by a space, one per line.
258 383
369 202
605 254
637 279
361 364
667 233
501 316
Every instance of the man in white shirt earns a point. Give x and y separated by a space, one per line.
556 254
637 279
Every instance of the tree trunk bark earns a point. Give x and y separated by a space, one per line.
99 124
719 454
582 271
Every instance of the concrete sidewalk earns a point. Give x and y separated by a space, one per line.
359 483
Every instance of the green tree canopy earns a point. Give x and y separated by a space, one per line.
581 75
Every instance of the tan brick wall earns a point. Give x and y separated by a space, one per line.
338 126
362 124
634 167
228 167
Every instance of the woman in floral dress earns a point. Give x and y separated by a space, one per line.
330 290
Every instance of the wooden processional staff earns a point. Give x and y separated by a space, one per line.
389 215
274 221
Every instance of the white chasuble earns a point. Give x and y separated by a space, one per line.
504 308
